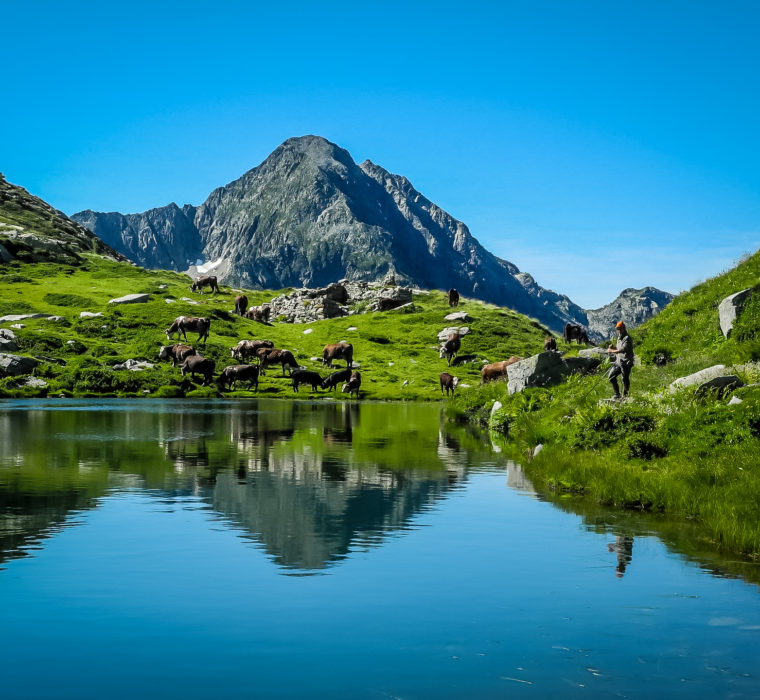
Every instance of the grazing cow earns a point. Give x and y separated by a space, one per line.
451 347
448 383
577 333
353 384
497 370
241 304
338 351
259 313
269 357
182 324
197 364
305 376
331 381
550 343
453 297
176 353
248 348
206 281
239 373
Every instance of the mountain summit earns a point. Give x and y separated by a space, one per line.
309 215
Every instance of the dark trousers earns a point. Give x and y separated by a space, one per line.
620 368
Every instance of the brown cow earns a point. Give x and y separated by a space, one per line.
182 324
453 297
206 281
451 347
241 304
239 373
550 343
197 364
353 385
497 370
331 381
305 376
259 313
277 357
176 353
448 383
338 351
248 348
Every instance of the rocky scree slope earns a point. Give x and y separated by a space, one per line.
33 231
309 215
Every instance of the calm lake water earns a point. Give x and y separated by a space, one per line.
276 549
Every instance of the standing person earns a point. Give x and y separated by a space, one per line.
623 362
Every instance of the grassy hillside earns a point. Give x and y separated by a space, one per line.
391 347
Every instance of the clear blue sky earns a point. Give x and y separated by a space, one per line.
597 145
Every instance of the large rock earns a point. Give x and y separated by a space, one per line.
391 298
581 365
7 340
544 369
457 316
23 317
131 299
16 365
719 386
730 308
446 332
704 375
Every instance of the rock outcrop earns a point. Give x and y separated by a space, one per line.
730 308
544 369
7 340
16 365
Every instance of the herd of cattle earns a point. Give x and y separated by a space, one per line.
256 356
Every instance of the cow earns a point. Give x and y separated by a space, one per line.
497 370
259 313
451 347
182 324
239 373
247 348
338 351
453 297
577 333
448 383
176 353
353 384
550 343
241 304
275 356
206 281
197 364
305 376
332 380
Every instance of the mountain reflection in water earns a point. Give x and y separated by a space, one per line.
308 482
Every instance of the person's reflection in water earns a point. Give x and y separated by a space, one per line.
623 547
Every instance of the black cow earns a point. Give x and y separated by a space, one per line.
576 333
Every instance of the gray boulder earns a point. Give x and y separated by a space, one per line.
134 365
90 314
544 369
600 353
581 365
446 332
16 365
131 299
457 316
22 317
698 378
7 340
32 383
730 308
719 386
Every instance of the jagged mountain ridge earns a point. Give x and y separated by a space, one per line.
634 306
309 215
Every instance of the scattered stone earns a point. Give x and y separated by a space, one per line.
134 365
735 401
351 328
537 449
730 308
32 383
16 365
7 340
18 326
131 299
55 319
308 330
446 332
22 317
315 359
90 314
457 316
704 375
169 300
464 386
405 382
390 364
544 369
188 300
163 286
496 406
719 386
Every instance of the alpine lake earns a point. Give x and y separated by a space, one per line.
220 549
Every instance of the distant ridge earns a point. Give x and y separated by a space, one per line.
309 215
